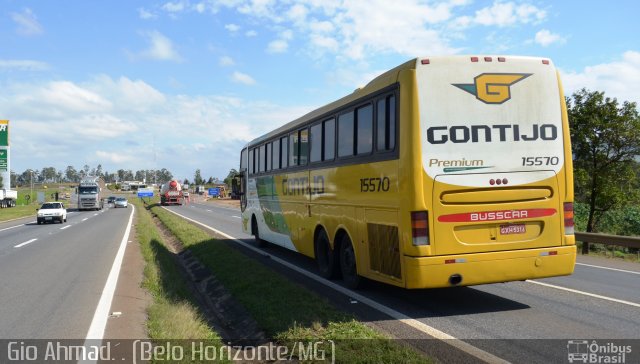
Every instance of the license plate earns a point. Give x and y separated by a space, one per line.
48 218
513 229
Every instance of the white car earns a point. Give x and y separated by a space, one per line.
51 212
121 202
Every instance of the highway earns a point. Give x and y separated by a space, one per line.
513 321
53 274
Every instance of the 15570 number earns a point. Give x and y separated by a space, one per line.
375 184
540 161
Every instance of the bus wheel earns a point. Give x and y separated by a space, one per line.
327 265
254 230
348 264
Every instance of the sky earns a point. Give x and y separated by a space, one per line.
184 84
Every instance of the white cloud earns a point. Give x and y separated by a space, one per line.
176 7
546 38
160 48
27 23
620 79
64 123
243 78
251 33
145 14
502 14
232 27
23 65
65 95
113 157
226 61
278 46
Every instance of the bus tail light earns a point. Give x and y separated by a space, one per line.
568 218
420 227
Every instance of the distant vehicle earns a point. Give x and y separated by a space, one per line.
171 193
52 211
111 199
8 198
90 194
121 202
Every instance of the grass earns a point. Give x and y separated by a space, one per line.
27 207
286 311
173 314
17 212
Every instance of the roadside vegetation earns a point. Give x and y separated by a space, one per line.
605 141
286 311
173 314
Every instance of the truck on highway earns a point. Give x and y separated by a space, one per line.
171 193
8 198
90 194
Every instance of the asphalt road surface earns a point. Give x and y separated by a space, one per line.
53 274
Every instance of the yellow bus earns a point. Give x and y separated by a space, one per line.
444 171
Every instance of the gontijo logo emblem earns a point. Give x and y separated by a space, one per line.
492 88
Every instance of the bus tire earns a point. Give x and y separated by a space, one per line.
348 264
256 233
327 264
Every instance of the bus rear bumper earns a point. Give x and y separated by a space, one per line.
494 267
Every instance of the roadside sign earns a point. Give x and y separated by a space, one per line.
214 192
4 160
145 192
4 133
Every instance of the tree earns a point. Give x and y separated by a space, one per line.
163 176
49 174
71 174
232 174
198 178
605 137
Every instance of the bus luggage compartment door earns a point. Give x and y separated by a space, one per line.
522 211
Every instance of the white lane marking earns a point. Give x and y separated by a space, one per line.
99 322
237 217
601 267
12 227
65 227
85 219
421 326
96 214
586 293
25 243
209 211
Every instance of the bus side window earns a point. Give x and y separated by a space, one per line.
364 130
268 157
261 153
386 124
293 149
345 135
304 147
276 154
329 129
316 143
284 155
251 159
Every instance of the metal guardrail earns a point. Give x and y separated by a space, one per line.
617 240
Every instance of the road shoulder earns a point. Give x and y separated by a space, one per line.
130 299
